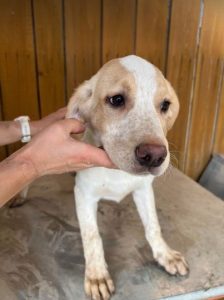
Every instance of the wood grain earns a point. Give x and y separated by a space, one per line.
219 133
181 66
17 63
48 23
118 28
209 70
2 149
82 35
2 153
49 47
151 31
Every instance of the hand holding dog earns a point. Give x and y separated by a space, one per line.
51 151
54 151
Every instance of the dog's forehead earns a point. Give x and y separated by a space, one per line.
145 74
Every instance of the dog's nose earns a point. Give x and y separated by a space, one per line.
150 155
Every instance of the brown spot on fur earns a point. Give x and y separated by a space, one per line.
89 100
113 79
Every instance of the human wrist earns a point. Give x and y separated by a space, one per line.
35 127
14 130
21 161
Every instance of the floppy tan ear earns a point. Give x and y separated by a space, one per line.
80 103
174 108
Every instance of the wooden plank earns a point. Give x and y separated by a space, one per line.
151 31
82 32
209 69
180 68
118 28
17 63
219 134
2 149
2 153
48 22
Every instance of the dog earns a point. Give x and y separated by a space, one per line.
128 107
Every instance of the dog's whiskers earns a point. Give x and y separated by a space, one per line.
174 160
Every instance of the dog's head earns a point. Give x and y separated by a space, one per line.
129 106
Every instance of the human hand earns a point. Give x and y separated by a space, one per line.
54 151
37 126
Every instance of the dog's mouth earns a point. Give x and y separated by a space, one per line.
155 171
137 168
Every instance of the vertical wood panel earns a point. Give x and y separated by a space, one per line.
151 31
48 23
17 63
118 28
95 31
17 59
219 134
83 32
2 149
207 85
181 65
2 153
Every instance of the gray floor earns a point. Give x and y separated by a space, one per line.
41 254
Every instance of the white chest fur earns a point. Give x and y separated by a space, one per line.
108 184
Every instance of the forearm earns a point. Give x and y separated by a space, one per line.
10 132
15 174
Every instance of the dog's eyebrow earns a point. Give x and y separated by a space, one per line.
116 92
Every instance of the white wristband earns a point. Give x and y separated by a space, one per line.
25 128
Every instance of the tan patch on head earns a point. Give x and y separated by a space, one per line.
112 79
165 91
121 129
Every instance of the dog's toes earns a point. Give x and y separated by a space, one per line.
95 291
99 289
110 285
104 291
173 262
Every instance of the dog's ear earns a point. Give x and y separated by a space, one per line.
174 108
80 103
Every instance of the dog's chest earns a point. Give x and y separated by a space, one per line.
109 184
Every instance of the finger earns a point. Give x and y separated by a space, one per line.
73 126
61 111
59 114
97 157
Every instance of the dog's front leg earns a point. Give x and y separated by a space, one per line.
98 282
171 260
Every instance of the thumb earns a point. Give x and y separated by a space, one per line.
73 126
98 157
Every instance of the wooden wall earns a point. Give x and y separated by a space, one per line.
47 47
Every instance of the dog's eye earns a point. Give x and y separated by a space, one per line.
116 101
164 106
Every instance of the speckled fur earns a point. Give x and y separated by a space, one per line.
120 131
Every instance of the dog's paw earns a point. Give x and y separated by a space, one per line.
99 286
172 261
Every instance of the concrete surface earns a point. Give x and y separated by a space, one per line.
41 255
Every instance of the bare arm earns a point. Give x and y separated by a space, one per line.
10 131
15 174
52 151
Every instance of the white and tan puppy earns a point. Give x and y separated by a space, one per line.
129 106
